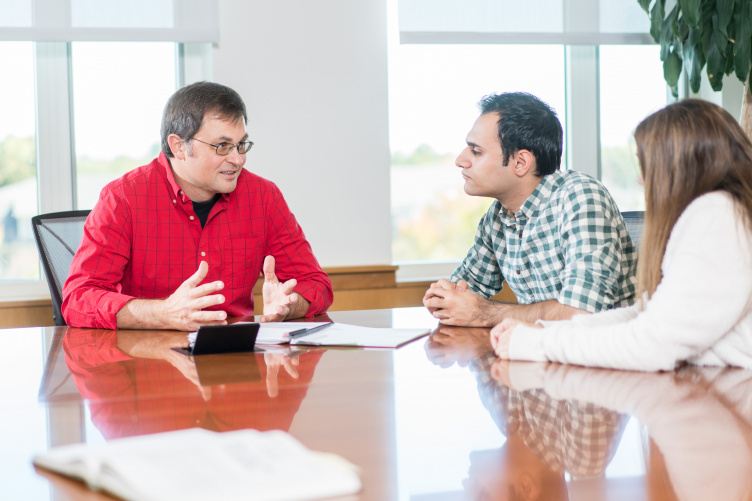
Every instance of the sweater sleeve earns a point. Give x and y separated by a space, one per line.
704 292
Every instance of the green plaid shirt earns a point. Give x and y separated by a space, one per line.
567 242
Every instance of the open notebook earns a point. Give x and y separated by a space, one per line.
197 464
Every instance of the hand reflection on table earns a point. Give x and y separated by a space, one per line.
137 383
448 345
273 362
699 421
546 438
153 346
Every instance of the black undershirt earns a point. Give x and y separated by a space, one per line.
202 209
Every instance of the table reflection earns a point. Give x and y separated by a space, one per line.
561 419
137 384
447 345
546 437
698 421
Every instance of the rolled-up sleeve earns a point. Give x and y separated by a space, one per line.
481 268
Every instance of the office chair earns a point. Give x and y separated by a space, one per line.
58 236
634 221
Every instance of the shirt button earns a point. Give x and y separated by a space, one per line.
174 201
204 254
518 272
191 218
520 235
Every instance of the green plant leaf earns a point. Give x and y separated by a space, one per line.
716 64
691 12
729 53
706 33
742 38
725 11
672 67
644 4
656 20
666 38
694 59
679 28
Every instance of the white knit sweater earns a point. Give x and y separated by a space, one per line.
701 311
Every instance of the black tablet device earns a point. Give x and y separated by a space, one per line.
233 338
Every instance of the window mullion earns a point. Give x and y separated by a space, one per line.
583 114
54 139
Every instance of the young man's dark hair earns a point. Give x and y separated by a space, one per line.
527 123
185 111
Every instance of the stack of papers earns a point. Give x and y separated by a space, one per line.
198 464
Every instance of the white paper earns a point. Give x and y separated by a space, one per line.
278 332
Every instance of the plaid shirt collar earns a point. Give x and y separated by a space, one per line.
539 197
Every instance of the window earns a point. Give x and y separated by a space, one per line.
119 91
18 170
631 87
116 114
107 94
433 96
595 65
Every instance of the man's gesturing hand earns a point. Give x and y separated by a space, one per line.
183 310
278 297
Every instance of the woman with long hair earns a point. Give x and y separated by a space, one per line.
695 259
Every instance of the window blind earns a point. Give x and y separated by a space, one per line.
571 22
109 20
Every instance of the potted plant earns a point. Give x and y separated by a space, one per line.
699 33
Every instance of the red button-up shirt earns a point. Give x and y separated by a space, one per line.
143 240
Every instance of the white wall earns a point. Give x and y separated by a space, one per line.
313 75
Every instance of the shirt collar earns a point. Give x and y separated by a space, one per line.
175 190
540 195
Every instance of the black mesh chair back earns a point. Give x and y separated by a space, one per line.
634 221
58 236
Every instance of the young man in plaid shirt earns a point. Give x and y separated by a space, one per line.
180 243
556 237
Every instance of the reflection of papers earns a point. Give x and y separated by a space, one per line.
353 335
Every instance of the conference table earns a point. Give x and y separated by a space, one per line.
439 418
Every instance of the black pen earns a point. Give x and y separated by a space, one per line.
304 332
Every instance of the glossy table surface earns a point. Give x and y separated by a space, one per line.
437 419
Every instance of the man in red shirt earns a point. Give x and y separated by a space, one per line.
180 242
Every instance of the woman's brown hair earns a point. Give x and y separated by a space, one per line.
685 150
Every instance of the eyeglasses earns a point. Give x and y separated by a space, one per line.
224 149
